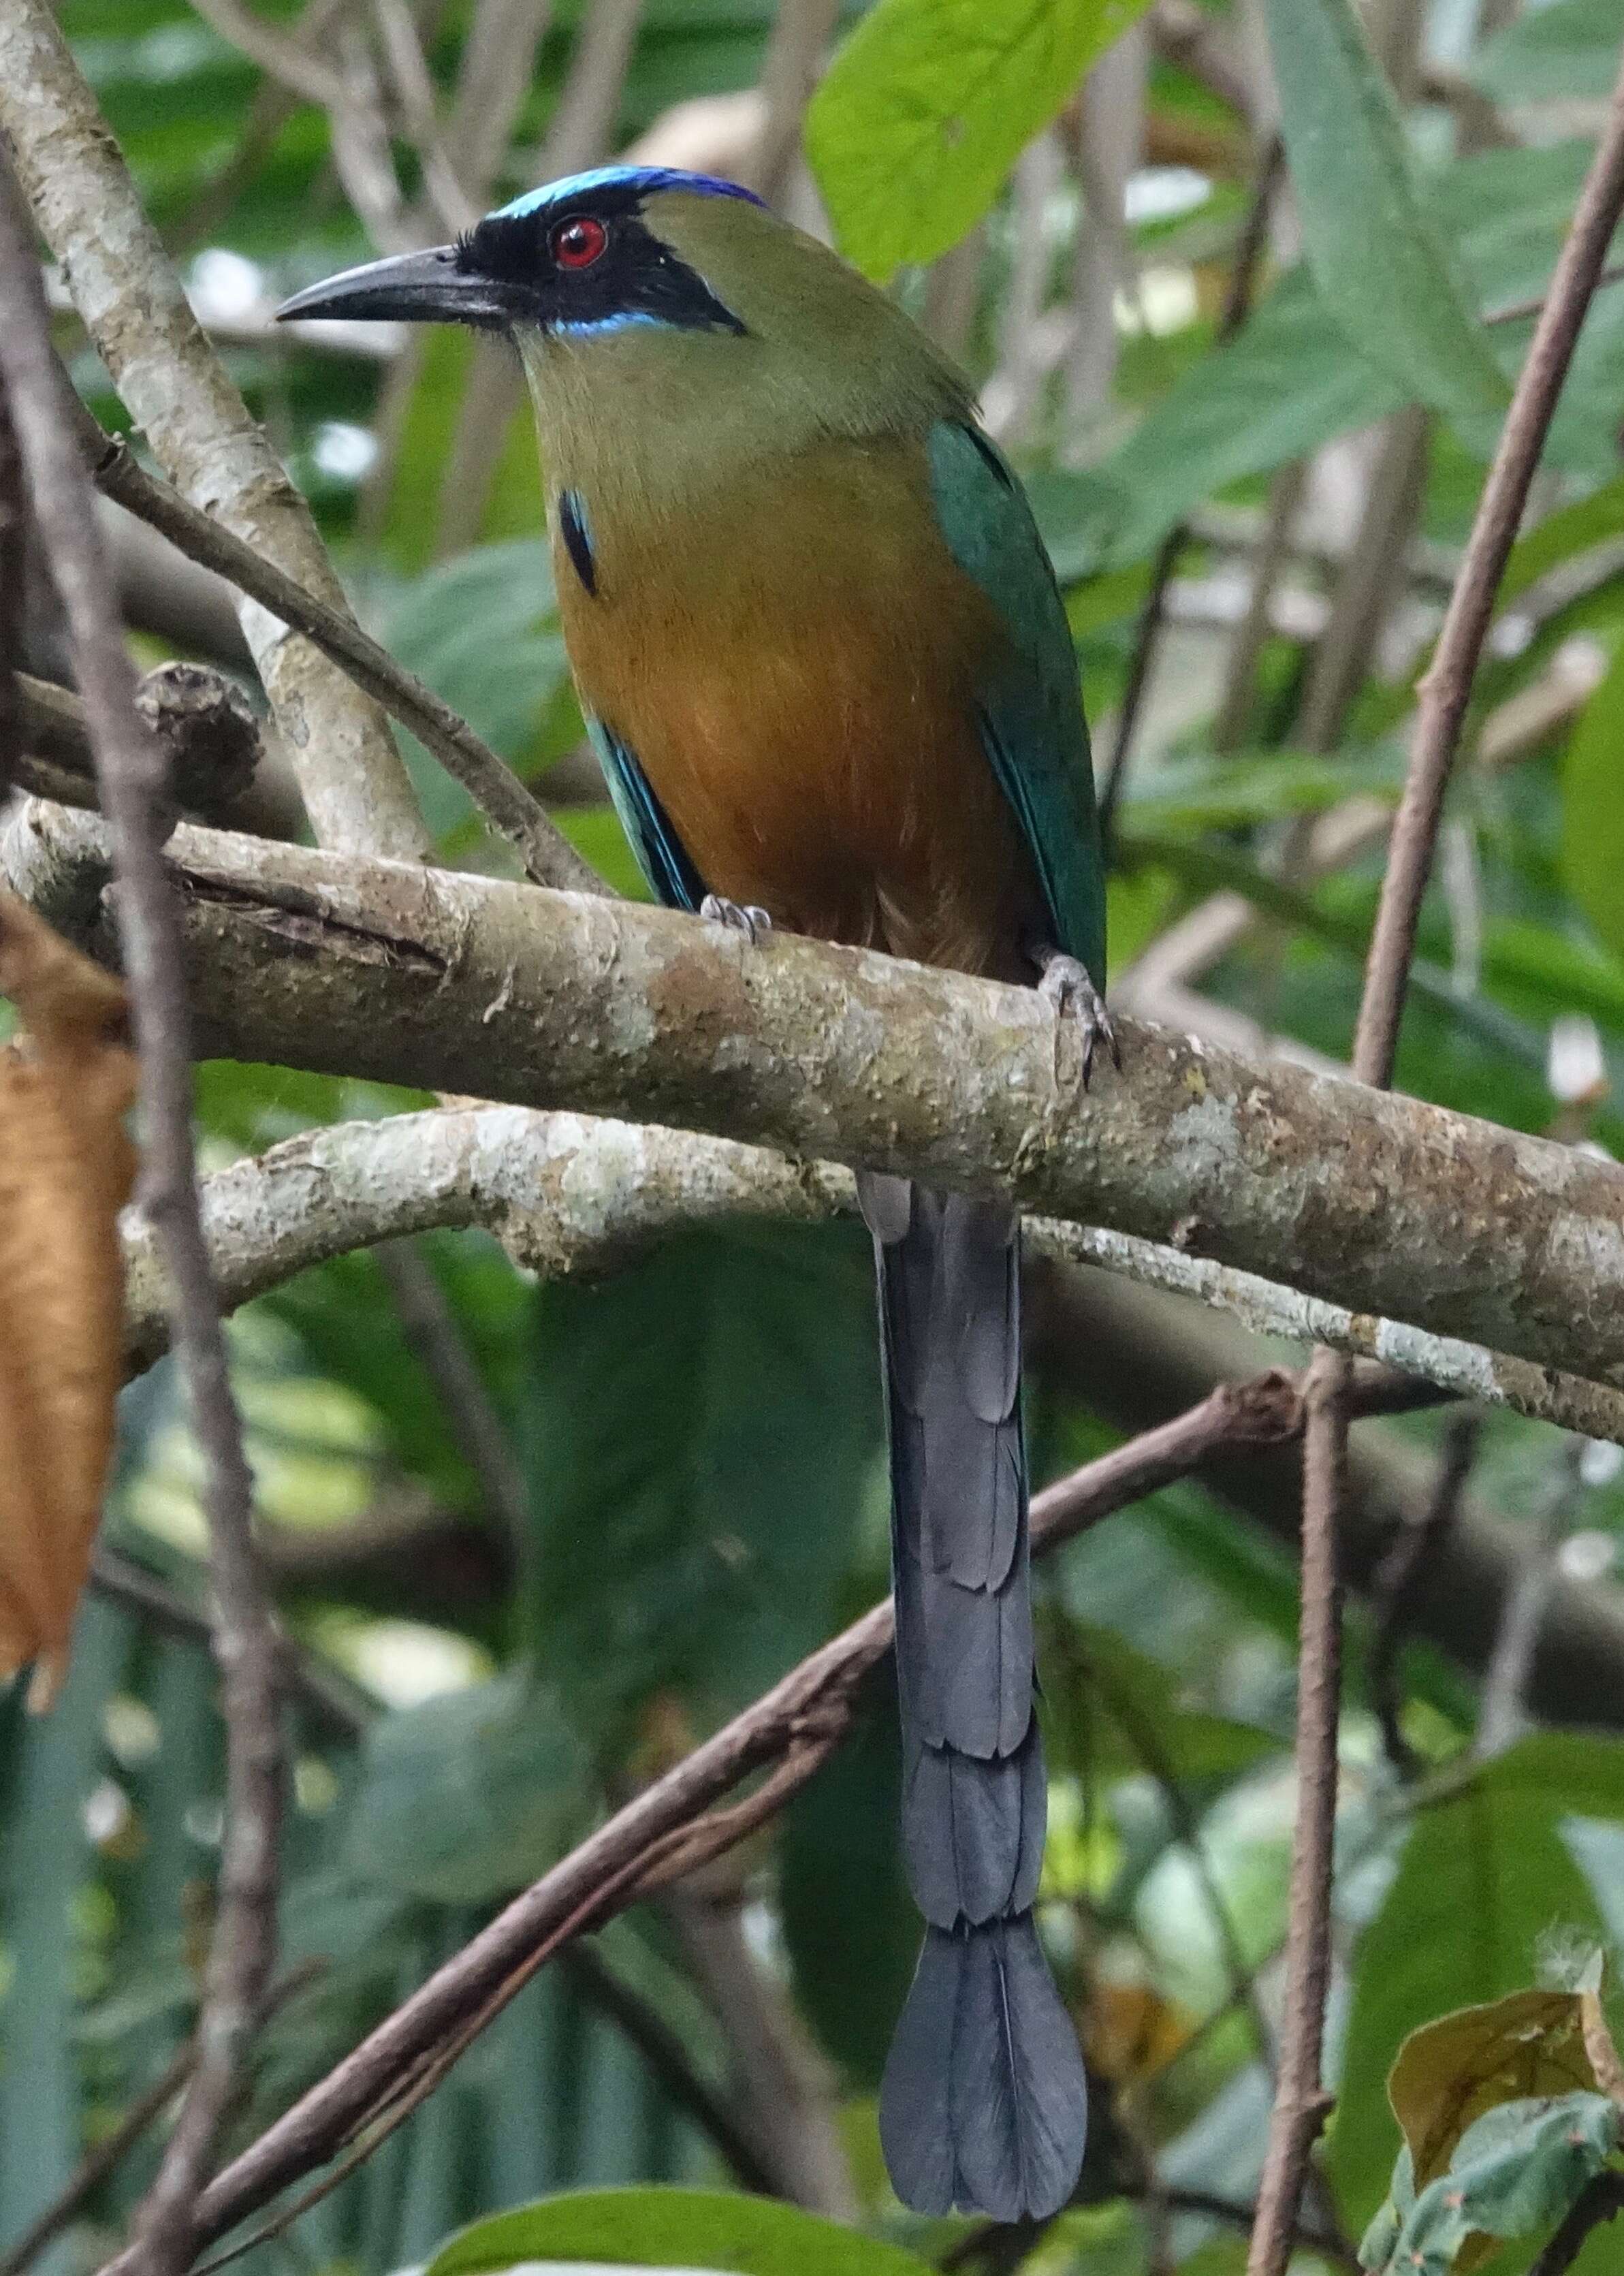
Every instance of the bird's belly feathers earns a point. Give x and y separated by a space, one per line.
793 666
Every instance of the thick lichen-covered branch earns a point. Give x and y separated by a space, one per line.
1380 1204
577 1195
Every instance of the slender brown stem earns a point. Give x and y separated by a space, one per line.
110 2152
132 773
1237 306
431 1329
1394 1580
105 2159
1299 2102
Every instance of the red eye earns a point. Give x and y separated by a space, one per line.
577 244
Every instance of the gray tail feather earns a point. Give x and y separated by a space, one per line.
983 2102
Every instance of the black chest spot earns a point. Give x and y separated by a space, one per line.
577 535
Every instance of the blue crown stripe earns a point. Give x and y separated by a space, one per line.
638 181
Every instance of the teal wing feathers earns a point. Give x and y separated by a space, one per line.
660 853
1031 710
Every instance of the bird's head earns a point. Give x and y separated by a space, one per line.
591 255
643 291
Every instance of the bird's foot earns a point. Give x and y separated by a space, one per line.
1066 985
750 920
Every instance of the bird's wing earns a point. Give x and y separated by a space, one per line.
661 856
1030 709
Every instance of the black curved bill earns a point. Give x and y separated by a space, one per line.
410 288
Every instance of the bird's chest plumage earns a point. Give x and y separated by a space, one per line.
793 660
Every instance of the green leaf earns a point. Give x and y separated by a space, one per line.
470 1795
928 105
1593 808
1573 529
1570 48
1514 2172
849 1924
706 1430
1205 792
1133 1718
692 2229
1281 388
1483 1878
1385 272
483 631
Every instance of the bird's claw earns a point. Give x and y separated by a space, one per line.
1066 985
748 919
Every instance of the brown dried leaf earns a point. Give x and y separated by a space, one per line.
1449 2072
66 1167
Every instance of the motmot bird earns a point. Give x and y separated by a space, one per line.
823 660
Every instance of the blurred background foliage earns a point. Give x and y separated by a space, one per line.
515 1604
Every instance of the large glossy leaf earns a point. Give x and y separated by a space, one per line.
706 1434
929 104
1568 48
483 632
470 1796
1382 266
1291 381
692 2229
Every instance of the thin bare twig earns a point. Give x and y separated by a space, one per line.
431 1328
1501 1716
413 87
547 857
110 2152
1366 588
134 792
1394 1579
666 2056
498 58
802 32
580 134
291 62
105 2159
784 2087
341 1707
1299 2104
1142 1736
1238 296
1108 138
